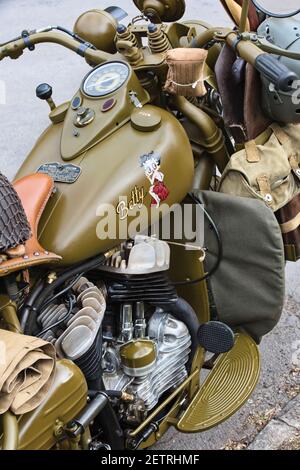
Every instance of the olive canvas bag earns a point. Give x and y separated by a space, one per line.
269 172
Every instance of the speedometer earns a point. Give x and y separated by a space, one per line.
105 79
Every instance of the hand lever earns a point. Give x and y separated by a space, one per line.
44 92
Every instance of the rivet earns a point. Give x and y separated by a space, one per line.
268 198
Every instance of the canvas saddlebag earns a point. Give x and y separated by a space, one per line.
271 173
249 286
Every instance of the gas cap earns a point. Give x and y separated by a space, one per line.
146 119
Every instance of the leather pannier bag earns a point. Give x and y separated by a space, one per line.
271 173
185 74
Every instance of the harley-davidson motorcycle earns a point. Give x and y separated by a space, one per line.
149 333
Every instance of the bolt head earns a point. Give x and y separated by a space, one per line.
152 28
121 28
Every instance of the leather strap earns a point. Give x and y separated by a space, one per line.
265 189
295 165
291 225
263 138
252 153
294 162
290 253
285 140
280 133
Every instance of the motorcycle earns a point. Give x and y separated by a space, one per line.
150 332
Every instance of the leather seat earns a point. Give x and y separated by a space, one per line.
34 192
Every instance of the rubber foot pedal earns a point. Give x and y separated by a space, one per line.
215 337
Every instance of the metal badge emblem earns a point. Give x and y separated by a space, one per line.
61 173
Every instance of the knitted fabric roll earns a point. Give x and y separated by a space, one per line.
185 75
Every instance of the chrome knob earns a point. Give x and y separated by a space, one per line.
84 116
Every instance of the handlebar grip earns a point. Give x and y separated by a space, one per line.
277 73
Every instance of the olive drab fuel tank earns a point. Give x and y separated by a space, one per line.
114 149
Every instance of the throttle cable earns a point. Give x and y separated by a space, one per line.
220 248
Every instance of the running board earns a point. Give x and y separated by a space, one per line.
227 387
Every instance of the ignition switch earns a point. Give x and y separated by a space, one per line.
84 116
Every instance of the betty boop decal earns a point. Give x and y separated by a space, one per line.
158 190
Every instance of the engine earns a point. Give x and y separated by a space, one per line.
116 324
147 366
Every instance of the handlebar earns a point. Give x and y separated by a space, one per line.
266 64
274 71
15 48
277 73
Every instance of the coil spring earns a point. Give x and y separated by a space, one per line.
127 35
158 41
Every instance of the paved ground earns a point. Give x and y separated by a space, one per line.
22 120
282 432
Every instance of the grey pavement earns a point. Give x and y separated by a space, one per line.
24 117
281 430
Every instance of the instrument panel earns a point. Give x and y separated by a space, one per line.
108 95
105 79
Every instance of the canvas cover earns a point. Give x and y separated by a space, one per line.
27 367
248 288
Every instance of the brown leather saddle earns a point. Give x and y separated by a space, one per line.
34 192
